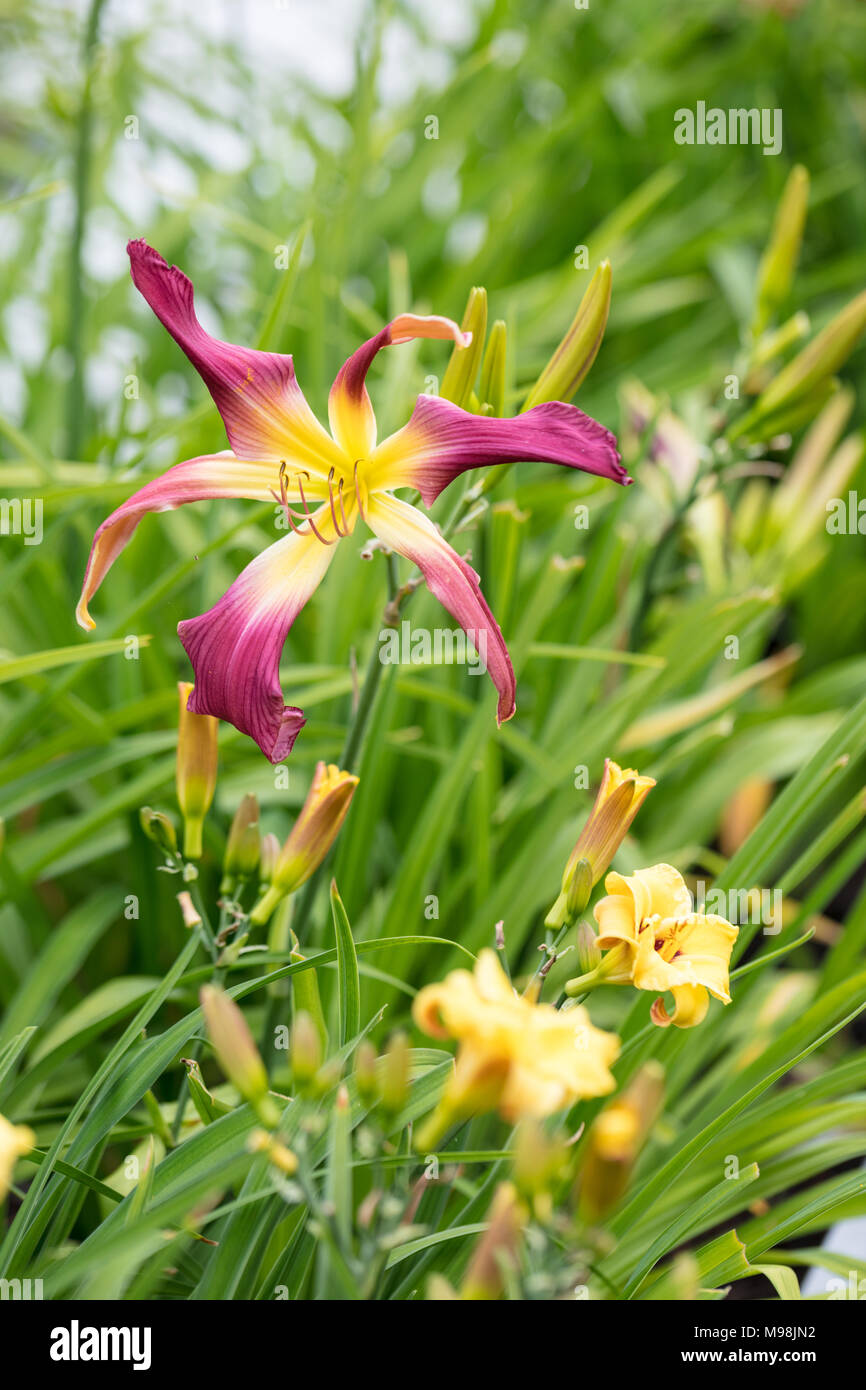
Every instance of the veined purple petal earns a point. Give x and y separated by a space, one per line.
454 582
263 408
350 410
235 648
211 475
440 441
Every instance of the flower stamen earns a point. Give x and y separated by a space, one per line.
316 532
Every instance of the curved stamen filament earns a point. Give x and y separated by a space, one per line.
333 508
316 532
292 520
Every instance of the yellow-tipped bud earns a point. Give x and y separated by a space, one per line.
311 836
366 1079
615 1141
779 261
462 369
619 798
439 1290
281 1157
539 1161
307 1000
493 370
196 769
569 366
236 1052
395 1074
15 1142
498 1248
243 847
306 1052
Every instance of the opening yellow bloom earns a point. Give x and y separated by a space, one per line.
656 941
517 1056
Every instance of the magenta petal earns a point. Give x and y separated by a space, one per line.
440 441
454 582
350 410
212 475
235 648
263 408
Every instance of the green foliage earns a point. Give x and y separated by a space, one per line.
704 625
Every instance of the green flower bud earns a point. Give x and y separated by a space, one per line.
493 370
462 369
570 363
806 379
236 1052
243 847
158 828
779 261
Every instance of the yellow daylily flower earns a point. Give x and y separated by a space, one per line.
656 941
515 1055
15 1141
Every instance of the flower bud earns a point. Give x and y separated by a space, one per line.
618 801
776 344
366 1079
243 847
492 386
306 1050
570 363
395 1074
270 853
615 1140
539 1161
281 1157
611 1152
779 261
462 369
498 1248
236 1052
158 828
15 1141
588 952
804 379
196 769
311 836
305 991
